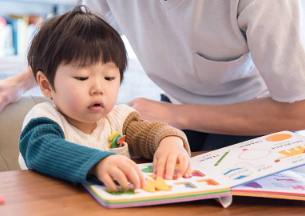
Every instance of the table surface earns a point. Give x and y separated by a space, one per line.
30 193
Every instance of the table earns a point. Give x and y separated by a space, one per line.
30 193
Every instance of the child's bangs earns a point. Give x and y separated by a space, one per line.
92 43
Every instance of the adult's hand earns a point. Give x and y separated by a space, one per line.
155 111
12 89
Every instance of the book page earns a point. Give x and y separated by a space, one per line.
243 162
282 185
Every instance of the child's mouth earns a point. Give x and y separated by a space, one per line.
96 106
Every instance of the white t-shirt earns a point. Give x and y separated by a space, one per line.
215 51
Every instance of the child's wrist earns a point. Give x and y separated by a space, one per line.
92 171
171 140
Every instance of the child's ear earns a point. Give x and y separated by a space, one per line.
44 84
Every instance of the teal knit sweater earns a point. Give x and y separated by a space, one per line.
44 149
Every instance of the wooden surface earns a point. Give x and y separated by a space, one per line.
30 193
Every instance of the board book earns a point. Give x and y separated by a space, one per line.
249 168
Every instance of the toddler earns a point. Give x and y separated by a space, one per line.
78 61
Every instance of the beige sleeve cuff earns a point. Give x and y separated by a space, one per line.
143 137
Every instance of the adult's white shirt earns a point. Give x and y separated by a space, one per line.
215 51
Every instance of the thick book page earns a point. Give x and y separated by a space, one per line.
244 162
199 186
285 185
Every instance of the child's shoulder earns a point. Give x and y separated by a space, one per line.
42 110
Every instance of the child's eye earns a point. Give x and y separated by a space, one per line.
109 78
81 78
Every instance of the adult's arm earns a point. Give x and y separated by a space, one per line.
11 89
253 117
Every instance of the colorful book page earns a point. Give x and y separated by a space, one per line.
284 185
250 160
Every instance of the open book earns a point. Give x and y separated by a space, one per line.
219 174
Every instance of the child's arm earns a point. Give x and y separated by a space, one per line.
44 148
159 141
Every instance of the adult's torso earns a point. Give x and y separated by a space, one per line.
193 49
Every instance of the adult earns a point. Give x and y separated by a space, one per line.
231 69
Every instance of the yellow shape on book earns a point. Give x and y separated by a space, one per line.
291 152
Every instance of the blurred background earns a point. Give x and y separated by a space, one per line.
18 22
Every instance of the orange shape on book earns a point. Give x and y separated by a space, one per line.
209 181
150 187
161 185
158 185
152 176
278 137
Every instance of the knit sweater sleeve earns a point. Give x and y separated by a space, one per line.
143 137
44 149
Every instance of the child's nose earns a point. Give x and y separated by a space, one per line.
97 88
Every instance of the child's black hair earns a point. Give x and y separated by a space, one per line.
79 38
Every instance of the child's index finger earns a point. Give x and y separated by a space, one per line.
182 165
170 167
161 168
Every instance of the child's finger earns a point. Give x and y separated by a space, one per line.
183 164
132 175
170 166
107 180
187 174
139 173
155 162
120 177
161 167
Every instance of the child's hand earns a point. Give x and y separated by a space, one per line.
121 169
169 153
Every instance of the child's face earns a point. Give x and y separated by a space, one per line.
85 95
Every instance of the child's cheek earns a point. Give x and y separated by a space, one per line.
76 101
